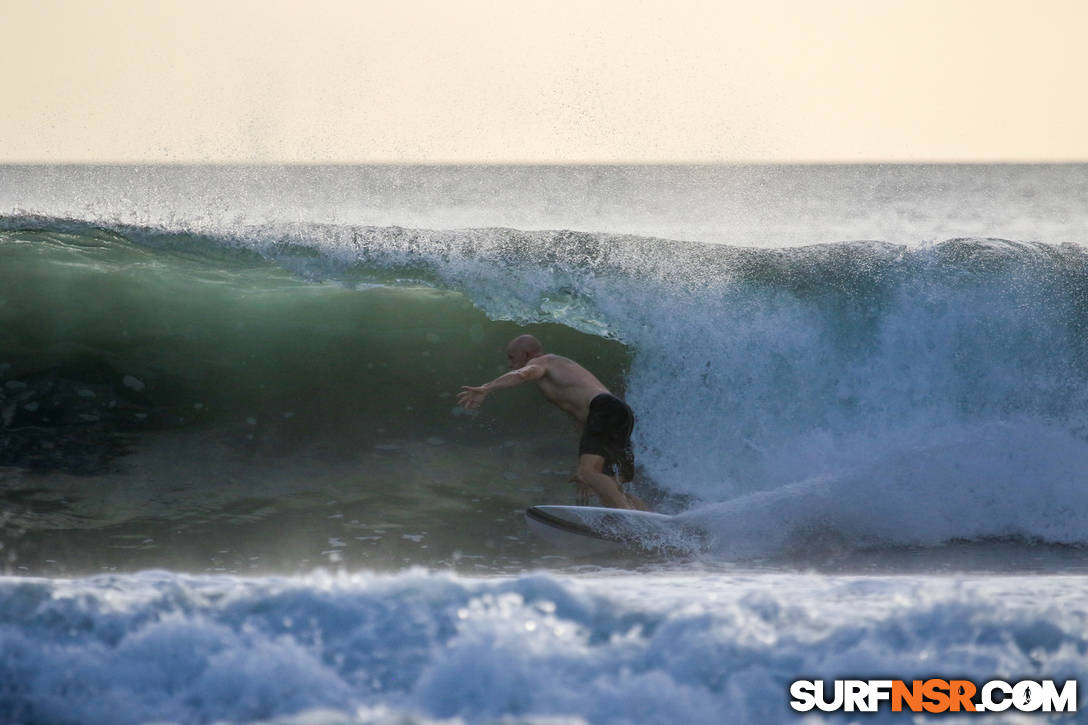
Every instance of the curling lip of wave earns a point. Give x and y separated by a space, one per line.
870 366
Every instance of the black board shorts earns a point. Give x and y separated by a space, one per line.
608 434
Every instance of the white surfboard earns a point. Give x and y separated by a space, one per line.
594 530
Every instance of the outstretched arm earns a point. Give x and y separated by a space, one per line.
473 396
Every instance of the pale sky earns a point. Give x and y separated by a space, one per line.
561 81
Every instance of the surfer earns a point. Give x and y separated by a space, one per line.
605 419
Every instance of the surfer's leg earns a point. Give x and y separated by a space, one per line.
634 502
581 491
591 473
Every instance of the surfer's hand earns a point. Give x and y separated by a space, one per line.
471 397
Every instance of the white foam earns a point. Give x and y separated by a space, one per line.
697 648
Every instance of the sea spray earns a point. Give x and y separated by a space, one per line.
956 370
699 647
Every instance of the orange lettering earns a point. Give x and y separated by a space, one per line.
961 693
935 690
912 695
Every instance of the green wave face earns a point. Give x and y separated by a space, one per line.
206 386
273 377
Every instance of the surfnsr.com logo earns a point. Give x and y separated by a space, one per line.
933 695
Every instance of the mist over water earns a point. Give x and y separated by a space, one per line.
739 205
243 380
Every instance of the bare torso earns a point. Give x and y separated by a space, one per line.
571 388
568 385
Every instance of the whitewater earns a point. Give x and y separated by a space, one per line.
235 485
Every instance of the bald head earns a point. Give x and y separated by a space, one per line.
521 350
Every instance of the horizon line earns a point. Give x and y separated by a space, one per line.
528 163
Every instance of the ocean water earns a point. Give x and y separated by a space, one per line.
235 486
